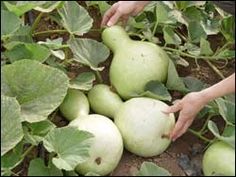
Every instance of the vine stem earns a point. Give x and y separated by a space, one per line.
199 135
191 56
99 77
60 31
217 71
27 151
205 124
36 22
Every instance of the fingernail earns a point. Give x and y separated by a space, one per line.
109 23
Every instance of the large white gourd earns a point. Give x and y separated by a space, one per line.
144 127
107 145
135 63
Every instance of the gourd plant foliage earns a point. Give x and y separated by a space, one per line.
34 73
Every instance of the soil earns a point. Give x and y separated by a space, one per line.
183 157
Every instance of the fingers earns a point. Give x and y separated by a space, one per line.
180 130
174 108
115 17
109 14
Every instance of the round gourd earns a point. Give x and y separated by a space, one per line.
107 145
144 127
104 101
219 160
74 105
135 63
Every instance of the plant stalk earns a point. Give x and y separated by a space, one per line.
199 135
36 22
99 77
217 71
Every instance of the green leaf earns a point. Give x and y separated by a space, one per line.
35 132
151 169
193 84
196 32
70 144
22 34
170 36
53 44
227 54
205 48
70 173
9 23
83 82
226 110
211 26
48 6
75 18
12 158
20 9
28 51
192 49
38 168
89 52
227 28
193 14
156 90
227 139
162 14
39 89
174 82
11 128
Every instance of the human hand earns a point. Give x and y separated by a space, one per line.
121 11
188 108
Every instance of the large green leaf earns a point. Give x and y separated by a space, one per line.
151 169
156 90
227 28
193 84
228 138
28 51
48 6
70 144
12 158
38 168
170 36
9 23
205 48
196 32
35 132
162 14
19 8
226 110
174 82
11 128
75 18
89 52
83 82
39 88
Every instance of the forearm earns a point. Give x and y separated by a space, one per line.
222 88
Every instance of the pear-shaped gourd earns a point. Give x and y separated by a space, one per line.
144 127
104 101
75 104
106 147
135 63
219 160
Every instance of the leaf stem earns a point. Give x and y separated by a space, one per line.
199 135
49 32
99 77
36 22
217 71
155 28
205 124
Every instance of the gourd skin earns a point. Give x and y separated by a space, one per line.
103 101
135 63
75 104
107 145
219 159
144 126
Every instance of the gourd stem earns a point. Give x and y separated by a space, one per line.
99 77
199 135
